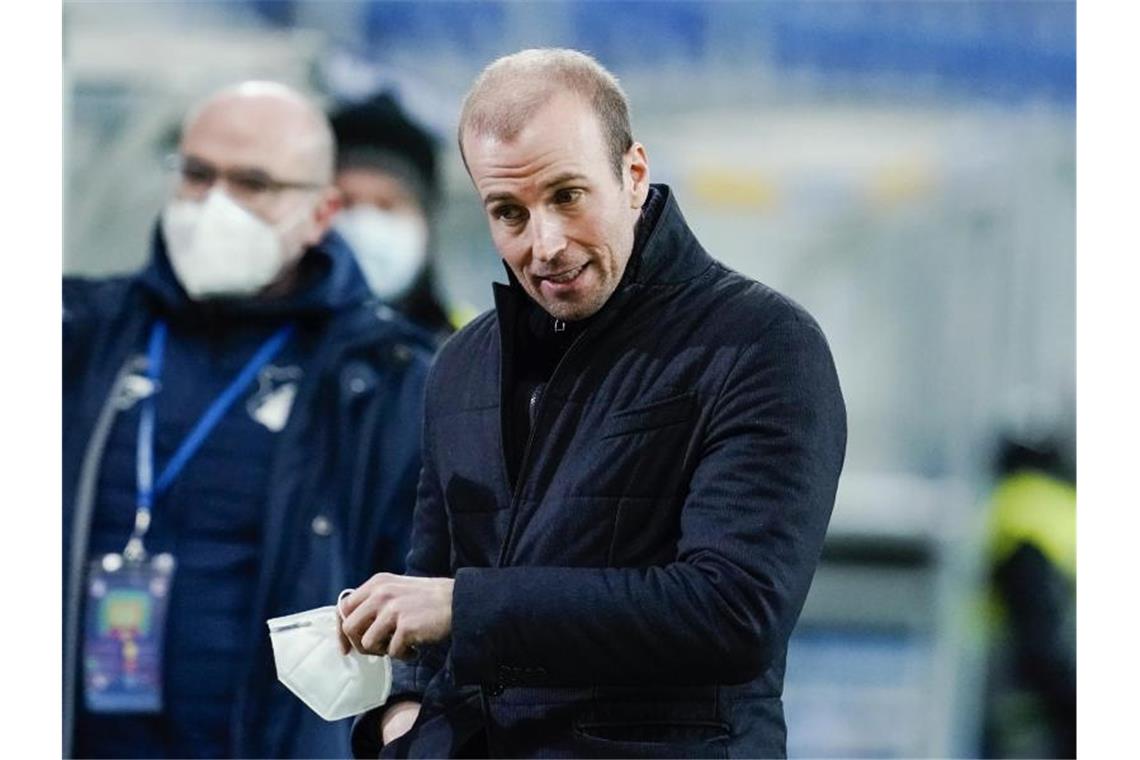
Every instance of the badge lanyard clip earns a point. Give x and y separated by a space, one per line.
135 550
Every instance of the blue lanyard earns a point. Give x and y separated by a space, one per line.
148 490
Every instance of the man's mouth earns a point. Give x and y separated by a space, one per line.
564 277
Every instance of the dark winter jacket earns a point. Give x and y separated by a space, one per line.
633 595
342 472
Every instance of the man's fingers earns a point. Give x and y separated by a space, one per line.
357 624
402 647
374 611
348 603
345 644
342 639
375 639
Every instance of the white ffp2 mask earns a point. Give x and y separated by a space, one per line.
306 651
218 248
391 248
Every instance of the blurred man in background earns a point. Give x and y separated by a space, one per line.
387 171
240 442
629 465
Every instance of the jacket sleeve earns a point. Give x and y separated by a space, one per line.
87 305
752 528
76 317
394 466
429 557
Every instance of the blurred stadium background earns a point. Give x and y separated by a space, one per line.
906 170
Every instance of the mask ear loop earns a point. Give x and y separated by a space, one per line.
340 598
340 613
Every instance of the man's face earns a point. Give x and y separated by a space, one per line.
559 216
247 147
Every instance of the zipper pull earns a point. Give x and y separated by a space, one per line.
535 400
134 387
559 326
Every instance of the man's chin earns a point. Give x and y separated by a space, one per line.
570 312
569 308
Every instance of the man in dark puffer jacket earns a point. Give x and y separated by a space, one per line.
629 466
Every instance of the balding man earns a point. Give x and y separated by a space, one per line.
629 465
241 441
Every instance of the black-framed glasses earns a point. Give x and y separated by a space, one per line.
247 184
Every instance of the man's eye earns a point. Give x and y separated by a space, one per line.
567 195
198 175
509 214
252 184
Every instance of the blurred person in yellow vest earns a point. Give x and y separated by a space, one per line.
1031 699
388 174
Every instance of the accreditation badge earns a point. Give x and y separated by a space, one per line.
123 639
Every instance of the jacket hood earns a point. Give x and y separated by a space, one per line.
330 281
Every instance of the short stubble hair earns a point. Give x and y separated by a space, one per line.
511 90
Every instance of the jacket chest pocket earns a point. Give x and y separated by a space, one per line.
640 450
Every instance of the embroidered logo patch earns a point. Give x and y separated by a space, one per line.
276 389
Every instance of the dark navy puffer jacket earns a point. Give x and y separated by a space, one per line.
341 473
633 594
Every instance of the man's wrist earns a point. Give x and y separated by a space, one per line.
391 708
398 719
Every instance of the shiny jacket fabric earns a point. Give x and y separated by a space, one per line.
343 471
634 594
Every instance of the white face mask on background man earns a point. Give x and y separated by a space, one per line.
219 249
390 247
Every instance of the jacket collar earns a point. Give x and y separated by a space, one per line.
669 252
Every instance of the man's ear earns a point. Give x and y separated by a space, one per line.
330 202
638 171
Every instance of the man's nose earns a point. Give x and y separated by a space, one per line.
549 240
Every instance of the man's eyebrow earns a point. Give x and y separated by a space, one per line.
496 197
555 181
245 169
562 179
190 158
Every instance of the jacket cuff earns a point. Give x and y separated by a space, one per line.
474 607
404 676
365 738
413 676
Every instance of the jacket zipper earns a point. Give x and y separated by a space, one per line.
520 478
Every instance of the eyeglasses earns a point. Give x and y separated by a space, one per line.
248 185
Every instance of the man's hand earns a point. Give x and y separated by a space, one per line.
393 614
398 720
